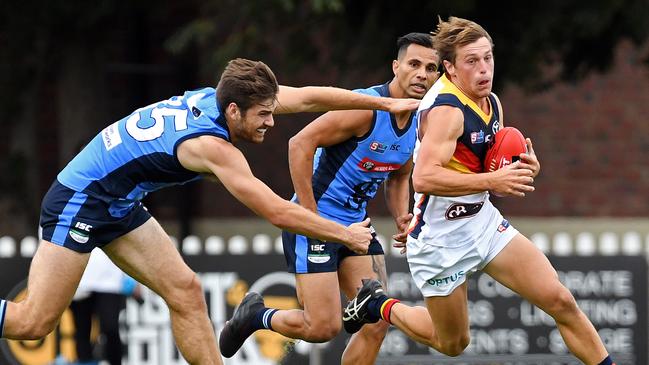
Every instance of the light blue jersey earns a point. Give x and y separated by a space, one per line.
346 176
137 154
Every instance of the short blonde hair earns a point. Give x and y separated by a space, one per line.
456 32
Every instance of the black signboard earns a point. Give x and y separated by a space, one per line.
612 291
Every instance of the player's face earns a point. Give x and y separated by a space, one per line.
473 69
256 121
416 71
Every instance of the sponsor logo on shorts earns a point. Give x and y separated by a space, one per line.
317 247
80 232
462 210
317 253
83 226
79 236
318 258
446 280
503 226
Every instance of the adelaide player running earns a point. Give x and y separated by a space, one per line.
456 230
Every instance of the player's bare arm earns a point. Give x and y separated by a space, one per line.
327 130
320 99
212 154
397 199
444 125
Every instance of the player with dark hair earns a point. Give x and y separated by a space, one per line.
338 162
96 199
456 230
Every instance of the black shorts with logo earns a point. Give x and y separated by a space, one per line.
82 222
308 255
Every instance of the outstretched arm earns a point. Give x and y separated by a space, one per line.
212 154
323 98
327 130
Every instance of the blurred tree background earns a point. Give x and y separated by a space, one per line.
69 68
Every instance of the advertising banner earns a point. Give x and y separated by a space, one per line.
611 290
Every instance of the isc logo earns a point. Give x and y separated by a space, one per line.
83 226
318 248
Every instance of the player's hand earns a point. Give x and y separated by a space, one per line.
397 106
359 236
402 223
512 180
401 245
400 238
529 160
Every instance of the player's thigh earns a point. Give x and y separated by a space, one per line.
523 268
355 268
319 295
54 275
148 255
449 314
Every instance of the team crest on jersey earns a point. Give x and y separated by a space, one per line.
378 147
495 127
376 166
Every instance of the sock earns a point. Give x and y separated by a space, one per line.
386 309
262 319
3 310
374 307
607 361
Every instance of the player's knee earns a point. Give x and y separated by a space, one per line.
323 332
454 346
186 294
561 304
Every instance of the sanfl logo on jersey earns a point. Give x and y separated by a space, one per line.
378 147
477 137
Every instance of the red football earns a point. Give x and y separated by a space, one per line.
508 144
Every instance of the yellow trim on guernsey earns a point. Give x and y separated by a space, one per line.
450 88
456 165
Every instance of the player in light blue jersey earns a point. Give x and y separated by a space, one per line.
96 199
356 152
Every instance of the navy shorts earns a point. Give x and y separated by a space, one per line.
82 222
308 255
